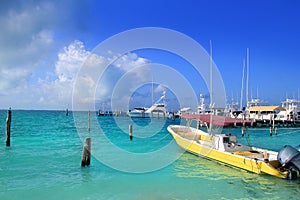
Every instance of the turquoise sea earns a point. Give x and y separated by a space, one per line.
44 160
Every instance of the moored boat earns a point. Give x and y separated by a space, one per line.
226 149
157 110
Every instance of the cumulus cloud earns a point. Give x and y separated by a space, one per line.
69 61
28 49
77 74
57 91
23 44
36 72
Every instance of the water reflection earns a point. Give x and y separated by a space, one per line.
241 183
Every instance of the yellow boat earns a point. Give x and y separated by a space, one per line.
226 149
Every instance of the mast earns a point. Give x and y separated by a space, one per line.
210 87
152 92
247 77
242 89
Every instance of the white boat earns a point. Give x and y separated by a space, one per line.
137 112
232 110
291 112
185 110
267 113
157 110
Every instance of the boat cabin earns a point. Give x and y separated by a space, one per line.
264 112
229 143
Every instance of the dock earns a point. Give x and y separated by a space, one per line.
219 120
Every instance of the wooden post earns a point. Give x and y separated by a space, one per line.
88 149
273 121
86 153
130 132
271 130
8 122
83 159
243 131
67 112
89 121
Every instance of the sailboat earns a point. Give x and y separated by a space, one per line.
225 148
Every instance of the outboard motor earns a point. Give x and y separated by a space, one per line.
298 147
289 157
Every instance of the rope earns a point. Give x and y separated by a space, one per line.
288 133
295 130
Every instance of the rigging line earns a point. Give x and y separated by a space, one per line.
288 133
267 129
247 135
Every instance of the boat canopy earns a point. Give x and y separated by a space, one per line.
265 108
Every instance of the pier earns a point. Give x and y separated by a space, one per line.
219 120
233 122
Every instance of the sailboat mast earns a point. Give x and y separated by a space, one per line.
242 89
152 92
210 88
247 77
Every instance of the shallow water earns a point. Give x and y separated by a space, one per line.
44 159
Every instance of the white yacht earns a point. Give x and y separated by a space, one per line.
291 112
137 112
157 110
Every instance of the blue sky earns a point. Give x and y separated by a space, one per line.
43 44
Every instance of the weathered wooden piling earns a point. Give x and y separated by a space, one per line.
8 122
86 153
243 131
67 112
271 130
89 121
130 132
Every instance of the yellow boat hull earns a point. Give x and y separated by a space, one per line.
236 159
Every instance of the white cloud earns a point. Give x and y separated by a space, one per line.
70 60
75 57
24 43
